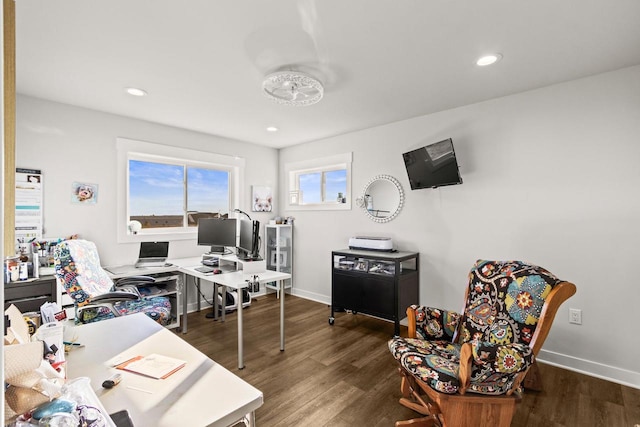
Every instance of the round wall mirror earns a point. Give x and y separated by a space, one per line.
382 198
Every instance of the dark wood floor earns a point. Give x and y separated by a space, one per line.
344 375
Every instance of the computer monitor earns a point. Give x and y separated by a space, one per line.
217 233
249 242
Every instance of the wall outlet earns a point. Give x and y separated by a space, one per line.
575 316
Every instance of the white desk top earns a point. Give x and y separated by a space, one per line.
200 394
116 272
236 279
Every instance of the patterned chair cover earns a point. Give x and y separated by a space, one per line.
77 266
502 308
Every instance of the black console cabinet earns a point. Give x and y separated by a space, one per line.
30 295
380 284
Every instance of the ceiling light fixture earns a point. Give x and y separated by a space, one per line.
272 129
135 91
489 59
292 88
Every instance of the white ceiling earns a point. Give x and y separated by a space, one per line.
203 61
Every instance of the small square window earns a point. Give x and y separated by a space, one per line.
320 184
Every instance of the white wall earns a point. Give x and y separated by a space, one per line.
550 176
75 144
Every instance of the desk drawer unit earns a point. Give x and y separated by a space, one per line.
29 296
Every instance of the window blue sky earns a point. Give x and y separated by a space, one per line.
335 182
311 186
158 189
155 188
207 190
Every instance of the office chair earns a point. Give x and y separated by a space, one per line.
463 370
95 296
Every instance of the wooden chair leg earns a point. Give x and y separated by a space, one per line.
418 422
411 397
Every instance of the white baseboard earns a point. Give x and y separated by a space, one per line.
323 299
588 367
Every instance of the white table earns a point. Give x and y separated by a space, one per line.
202 393
237 280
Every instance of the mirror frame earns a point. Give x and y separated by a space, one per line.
360 200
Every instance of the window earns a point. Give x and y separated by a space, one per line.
320 184
168 189
165 195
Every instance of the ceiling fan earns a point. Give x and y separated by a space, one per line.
292 88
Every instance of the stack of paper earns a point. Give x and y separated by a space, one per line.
154 365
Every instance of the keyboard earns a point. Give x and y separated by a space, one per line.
204 269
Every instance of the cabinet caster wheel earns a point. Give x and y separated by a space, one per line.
332 320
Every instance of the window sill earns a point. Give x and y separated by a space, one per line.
321 207
155 234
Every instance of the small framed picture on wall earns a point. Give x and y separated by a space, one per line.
86 194
262 199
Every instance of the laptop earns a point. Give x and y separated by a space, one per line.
152 254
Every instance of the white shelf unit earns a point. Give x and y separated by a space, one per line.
279 256
167 285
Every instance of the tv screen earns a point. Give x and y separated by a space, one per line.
432 166
217 233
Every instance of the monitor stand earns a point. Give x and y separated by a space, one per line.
245 256
216 250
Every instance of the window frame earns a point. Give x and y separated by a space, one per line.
128 149
293 171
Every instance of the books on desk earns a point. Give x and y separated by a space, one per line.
154 366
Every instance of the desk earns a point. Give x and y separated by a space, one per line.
202 393
235 280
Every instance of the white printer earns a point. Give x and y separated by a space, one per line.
384 244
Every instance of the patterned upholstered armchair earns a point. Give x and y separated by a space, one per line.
466 369
95 296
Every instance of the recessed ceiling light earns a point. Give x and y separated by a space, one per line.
272 129
489 59
135 91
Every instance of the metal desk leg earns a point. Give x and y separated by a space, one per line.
184 303
197 279
281 315
240 356
224 302
215 301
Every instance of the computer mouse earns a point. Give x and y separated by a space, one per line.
217 271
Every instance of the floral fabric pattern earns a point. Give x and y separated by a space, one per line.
433 362
503 306
77 265
433 323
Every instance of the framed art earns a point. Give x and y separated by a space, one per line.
86 194
262 199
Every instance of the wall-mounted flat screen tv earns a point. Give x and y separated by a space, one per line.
432 166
